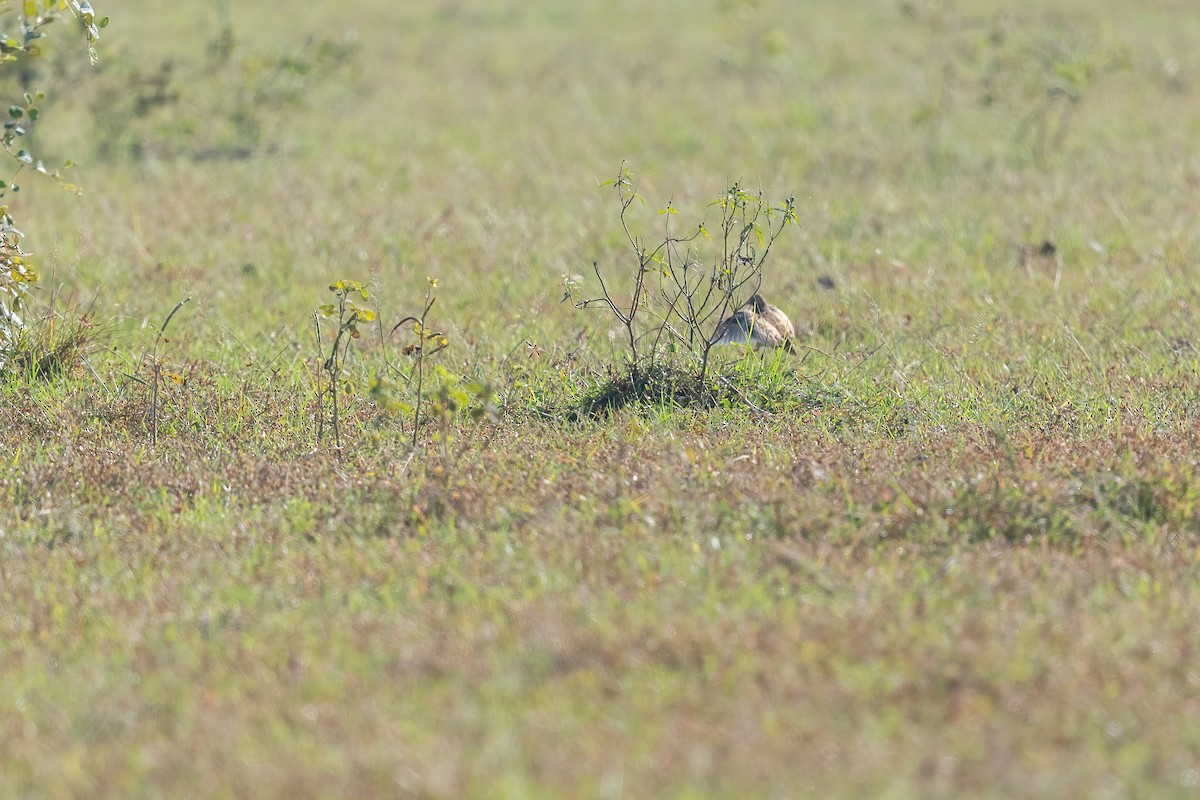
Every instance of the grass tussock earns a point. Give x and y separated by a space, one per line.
54 344
763 385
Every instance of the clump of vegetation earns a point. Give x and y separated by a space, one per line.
656 385
414 388
54 343
677 285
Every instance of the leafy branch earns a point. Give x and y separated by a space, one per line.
30 17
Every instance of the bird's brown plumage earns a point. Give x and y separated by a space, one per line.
758 324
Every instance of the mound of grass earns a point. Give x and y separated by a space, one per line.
767 385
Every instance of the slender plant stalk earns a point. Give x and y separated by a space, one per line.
158 371
320 389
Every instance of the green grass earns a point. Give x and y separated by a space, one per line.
953 553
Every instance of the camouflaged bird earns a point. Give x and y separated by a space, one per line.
758 324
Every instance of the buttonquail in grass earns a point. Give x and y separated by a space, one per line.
758 324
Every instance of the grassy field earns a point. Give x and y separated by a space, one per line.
953 552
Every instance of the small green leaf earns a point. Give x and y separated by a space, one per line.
16 112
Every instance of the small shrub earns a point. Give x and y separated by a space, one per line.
676 286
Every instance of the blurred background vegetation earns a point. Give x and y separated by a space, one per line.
446 138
